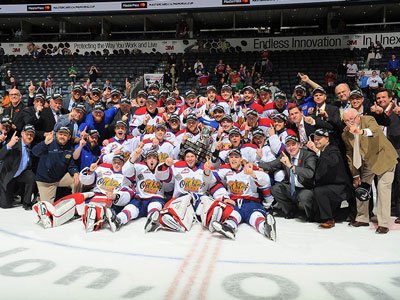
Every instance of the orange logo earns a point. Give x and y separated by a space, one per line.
150 187
237 187
162 157
191 185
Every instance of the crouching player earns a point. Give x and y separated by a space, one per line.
242 182
149 198
111 188
191 184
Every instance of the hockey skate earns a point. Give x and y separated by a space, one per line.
113 220
44 217
172 224
224 229
270 227
152 223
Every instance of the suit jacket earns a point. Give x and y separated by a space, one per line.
376 150
304 170
309 129
66 102
331 123
11 160
48 118
330 168
29 117
393 130
15 114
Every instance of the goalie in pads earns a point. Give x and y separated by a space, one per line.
189 199
112 188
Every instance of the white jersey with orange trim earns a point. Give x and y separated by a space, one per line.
146 184
138 119
277 141
106 180
164 149
190 110
263 124
186 179
242 186
268 155
107 152
249 153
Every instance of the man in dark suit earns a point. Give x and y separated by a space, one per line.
33 115
14 111
50 115
299 169
16 168
332 183
301 125
342 91
392 132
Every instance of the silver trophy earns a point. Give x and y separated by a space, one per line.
202 146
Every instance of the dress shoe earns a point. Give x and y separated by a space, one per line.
358 224
27 206
382 230
289 215
328 224
397 221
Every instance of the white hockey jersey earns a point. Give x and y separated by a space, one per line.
138 119
165 149
249 154
107 152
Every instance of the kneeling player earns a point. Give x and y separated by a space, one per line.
190 187
149 199
242 182
111 188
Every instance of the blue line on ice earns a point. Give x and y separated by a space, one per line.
219 261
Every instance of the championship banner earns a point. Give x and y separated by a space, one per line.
207 46
137 5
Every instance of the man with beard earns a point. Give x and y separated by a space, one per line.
279 106
191 183
88 150
99 120
72 121
149 192
145 118
77 97
56 166
241 182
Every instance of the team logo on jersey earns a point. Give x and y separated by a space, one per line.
237 187
140 177
162 157
108 184
185 171
68 156
149 129
150 187
126 156
241 120
191 185
178 177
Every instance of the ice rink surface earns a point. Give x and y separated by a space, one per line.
305 263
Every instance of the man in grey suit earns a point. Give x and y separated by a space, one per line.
296 188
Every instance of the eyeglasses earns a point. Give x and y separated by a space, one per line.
351 119
14 94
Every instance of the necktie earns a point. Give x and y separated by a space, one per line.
356 152
302 133
292 181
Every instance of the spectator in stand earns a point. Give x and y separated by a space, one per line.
72 73
363 83
342 71
259 81
391 81
393 65
184 73
7 80
5 101
48 84
249 77
56 166
167 81
41 89
396 91
374 83
107 84
330 79
93 73
371 54
268 68
351 74
14 83
235 80
202 78
15 109
378 50
219 70
198 64
87 86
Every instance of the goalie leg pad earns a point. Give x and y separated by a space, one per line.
210 210
94 216
178 211
79 201
55 215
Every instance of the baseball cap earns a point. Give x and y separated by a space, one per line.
218 107
153 85
191 117
121 123
259 132
300 87
251 112
249 88
189 150
142 93
98 107
226 87
280 95
6 120
65 129
152 98
160 125
115 92
125 101
151 152
56 96
280 116
174 117
40 96
120 157
264 88
319 89
227 117
321 132
356 93
189 93
170 99
29 127
292 137
211 88
96 91
94 132
237 151
164 92
80 106
234 131
77 87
